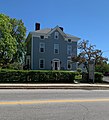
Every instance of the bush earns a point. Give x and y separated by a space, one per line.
98 77
15 66
35 76
44 76
79 70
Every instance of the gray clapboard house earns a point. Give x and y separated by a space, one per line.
50 49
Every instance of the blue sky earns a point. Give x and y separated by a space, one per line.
87 19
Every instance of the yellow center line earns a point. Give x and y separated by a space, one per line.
52 101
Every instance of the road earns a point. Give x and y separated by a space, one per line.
54 104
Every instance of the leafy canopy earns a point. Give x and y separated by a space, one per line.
12 39
87 54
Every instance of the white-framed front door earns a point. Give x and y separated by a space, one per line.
56 64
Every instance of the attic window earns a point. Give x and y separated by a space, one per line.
56 35
42 37
69 40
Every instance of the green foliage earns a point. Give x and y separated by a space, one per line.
7 43
98 77
79 70
102 68
18 32
44 76
12 39
15 66
87 54
35 76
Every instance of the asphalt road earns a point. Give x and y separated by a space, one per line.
54 105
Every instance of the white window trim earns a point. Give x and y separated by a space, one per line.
32 53
56 34
69 49
43 38
40 47
68 64
69 41
55 47
43 63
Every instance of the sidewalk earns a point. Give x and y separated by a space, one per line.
56 86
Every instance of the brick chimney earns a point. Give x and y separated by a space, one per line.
61 28
37 26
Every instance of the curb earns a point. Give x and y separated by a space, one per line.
55 86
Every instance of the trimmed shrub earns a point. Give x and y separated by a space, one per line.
35 76
98 77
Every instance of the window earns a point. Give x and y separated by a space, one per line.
56 48
41 37
69 40
69 65
41 63
42 47
69 50
56 35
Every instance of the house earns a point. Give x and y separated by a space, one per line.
50 49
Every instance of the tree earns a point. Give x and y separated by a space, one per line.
7 42
87 54
12 39
18 32
103 69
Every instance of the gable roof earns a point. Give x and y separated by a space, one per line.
58 29
49 31
43 31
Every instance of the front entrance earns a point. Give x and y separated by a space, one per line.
56 64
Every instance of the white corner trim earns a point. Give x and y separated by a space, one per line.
32 53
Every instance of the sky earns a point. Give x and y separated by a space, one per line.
86 19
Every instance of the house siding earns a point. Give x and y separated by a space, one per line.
54 61
49 55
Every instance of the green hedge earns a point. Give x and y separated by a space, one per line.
35 76
98 77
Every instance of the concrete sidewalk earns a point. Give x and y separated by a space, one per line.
56 86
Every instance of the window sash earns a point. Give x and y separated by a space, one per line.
69 49
56 48
42 47
42 37
41 63
56 35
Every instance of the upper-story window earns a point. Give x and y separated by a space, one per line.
56 48
42 47
69 49
56 35
42 37
69 40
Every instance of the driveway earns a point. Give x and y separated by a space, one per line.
106 78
